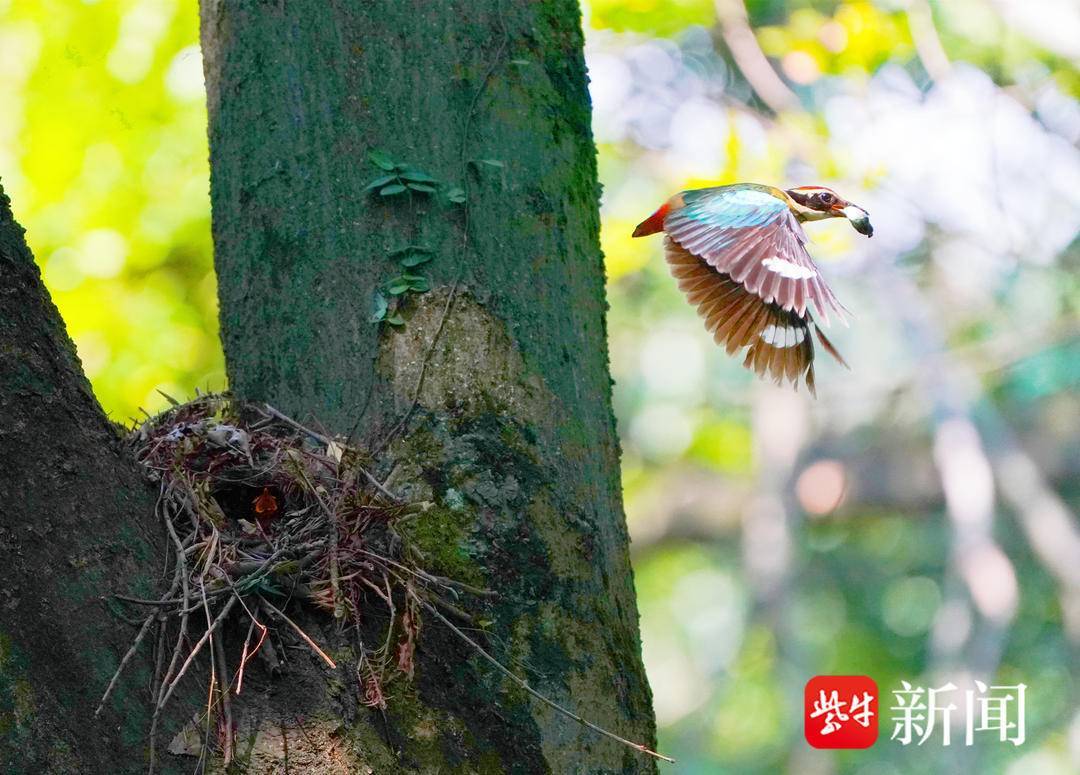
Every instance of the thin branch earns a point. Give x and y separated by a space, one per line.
248 654
403 422
181 564
215 681
224 685
195 651
314 646
327 441
123 662
322 439
521 682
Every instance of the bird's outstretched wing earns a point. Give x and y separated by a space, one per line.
779 340
752 237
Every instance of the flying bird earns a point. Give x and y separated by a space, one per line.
739 254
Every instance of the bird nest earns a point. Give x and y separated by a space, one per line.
265 515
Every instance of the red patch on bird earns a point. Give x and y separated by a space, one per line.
654 223
265 506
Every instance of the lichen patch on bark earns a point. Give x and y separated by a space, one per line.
473 367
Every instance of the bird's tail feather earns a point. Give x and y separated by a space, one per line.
829 348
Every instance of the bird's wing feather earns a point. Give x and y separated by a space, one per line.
778 340
753 237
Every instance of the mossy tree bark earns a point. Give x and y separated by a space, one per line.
76 523
492 400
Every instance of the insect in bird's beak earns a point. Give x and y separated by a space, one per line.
859 218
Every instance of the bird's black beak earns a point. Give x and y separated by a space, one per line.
859 218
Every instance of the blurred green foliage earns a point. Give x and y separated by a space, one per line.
103 151
871 587
653 17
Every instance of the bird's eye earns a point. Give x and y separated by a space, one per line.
827 198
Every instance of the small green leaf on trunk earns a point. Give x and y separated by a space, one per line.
410 249
381 159
415 259
417 176
379 306
382 180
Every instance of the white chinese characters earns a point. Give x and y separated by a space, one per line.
832 707
988 709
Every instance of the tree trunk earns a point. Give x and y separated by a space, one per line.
75 525
492 399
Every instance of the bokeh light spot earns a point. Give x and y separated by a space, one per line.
821 488
909 605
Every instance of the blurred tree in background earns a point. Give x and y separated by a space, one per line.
917 522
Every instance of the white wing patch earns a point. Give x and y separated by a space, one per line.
788 269
782 337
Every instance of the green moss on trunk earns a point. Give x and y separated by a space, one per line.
512 438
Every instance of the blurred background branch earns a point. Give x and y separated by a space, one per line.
735 29
924 35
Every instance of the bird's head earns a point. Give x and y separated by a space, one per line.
813 203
